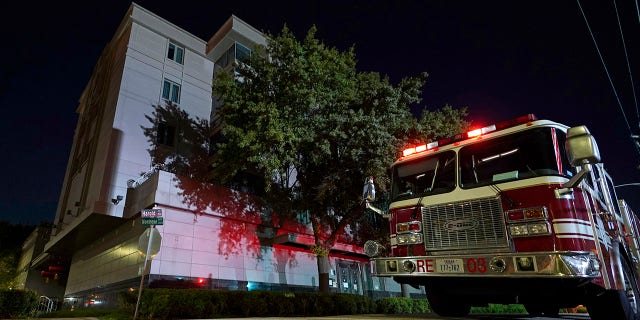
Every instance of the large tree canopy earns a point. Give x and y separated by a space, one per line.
310 123
301 116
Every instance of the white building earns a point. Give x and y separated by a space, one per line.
95 239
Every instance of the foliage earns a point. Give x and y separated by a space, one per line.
302 123
17 303
444 123
11 236
301 116
500 308
203 304
402 306
102 314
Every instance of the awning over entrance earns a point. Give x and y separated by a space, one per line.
87 231
305 241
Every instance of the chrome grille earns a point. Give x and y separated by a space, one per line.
464 225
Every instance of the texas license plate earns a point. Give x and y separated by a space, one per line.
449 266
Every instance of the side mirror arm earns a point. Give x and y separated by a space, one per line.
575 180
376 210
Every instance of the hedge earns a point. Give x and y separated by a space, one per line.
199 304
17 303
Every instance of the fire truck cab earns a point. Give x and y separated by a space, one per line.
522 211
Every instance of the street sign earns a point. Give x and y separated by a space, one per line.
152 221
149 242
152 217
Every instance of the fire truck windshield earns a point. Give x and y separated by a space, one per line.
531 153
425 176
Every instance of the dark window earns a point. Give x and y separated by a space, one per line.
171 91
175 53
166 135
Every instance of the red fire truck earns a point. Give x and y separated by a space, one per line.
522 211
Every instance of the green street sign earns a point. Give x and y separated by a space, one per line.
152 221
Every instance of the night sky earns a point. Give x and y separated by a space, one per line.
501 59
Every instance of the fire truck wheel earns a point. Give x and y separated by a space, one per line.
535 309
446 305
618 304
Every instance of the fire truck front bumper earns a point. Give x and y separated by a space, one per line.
564 264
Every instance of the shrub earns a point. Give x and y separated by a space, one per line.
17 303
402 305
103 314
500 308
157 303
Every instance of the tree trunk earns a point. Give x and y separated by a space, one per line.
323 273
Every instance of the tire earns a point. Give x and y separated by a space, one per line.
618 304
446 305
535 309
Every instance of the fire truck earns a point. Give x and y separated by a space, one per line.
522 211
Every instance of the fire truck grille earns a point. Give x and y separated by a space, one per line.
464 225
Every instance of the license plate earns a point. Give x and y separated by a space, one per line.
449 266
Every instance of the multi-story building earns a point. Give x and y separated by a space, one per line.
94 248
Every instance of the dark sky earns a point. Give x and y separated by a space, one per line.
501 59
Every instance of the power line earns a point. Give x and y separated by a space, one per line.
634 138
627 184
626 55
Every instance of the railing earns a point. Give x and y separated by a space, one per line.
46 305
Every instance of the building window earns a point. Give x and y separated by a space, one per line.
175 53
242 53
166 134
171 91
303 217
237 52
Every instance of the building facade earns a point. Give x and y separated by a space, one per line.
95 244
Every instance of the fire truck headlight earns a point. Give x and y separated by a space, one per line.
529 229
581 264
409 238
518 230
538 228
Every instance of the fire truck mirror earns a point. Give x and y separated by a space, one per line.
581 147
369 190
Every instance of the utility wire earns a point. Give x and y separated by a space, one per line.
604 65
626 55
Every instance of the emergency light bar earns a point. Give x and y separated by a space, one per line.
420 148
470 134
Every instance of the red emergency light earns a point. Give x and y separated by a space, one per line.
420 148
470 134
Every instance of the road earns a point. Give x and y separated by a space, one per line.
572 316
395 317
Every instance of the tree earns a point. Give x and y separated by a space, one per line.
301 117
11 236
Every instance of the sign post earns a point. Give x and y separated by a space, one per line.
148 244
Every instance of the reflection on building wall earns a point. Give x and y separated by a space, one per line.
229 243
